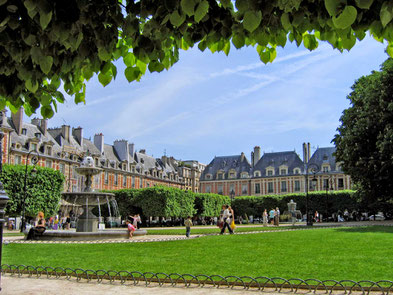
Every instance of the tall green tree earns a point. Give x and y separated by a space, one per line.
365 137
48 43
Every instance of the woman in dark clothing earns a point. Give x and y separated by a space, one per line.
38 229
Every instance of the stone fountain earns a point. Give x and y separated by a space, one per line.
88 199
87 224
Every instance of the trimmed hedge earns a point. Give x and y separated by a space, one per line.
318 201
43 190
162 201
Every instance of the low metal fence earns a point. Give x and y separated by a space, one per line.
263 284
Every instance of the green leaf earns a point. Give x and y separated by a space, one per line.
389 49
201 11
32 87
35 53
286 24
273 54
47 112
202 45
238 40
226 3
346 18
87 72
242 5
155 66
386 13
265 56
2 2
103 54
80 97
227 48
332 6
105 79
188 6
45 99
45 18
310 42
46 63
30 5
177 19
132 73
349 42
364 4
251 20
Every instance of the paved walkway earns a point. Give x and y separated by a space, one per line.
31 286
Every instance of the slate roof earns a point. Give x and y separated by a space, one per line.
275 160
226 163
324 156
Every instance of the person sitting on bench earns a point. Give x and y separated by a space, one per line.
39 229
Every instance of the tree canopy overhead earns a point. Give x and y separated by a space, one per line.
48 43
365 138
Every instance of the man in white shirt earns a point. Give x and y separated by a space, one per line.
226 215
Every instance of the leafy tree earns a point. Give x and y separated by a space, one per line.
45 44
210 205
43 191
365 138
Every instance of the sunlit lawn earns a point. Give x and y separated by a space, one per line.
341 253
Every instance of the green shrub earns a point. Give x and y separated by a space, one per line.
210 205
43 190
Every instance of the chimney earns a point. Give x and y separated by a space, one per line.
164 159
308 152
242 156
121 148
35 122
305 156
99 142
142 151
44 126
256 155
17 120
78 134
65 131
131 149
252 159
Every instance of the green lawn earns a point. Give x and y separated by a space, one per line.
13 234
197 231
340 253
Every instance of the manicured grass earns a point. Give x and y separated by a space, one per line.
13 234
340 253
198 231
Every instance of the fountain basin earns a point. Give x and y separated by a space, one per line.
55 235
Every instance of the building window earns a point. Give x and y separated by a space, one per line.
269 172
232 175
340 183
283 171
140 182
106 177
326 183
24 131
244 189
325 169
33 146
232 188
208 176
62 168
311 184
257 188
220 176
208 189
283 186
38 135
297 186
220 189
49 150
17 160
133 182
270 187
244 175
74 174
116 178
296 171
124 180
257 173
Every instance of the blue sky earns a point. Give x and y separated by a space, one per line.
210 105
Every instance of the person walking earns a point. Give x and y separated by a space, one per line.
226 216
277 217
264 217
271 216
188 224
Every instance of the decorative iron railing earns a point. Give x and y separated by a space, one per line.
263 284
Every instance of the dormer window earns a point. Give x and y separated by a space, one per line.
220 175
325 168
37 135
283 171
49 150
257 173
269 171
24 131
296 171
208 176
244 175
